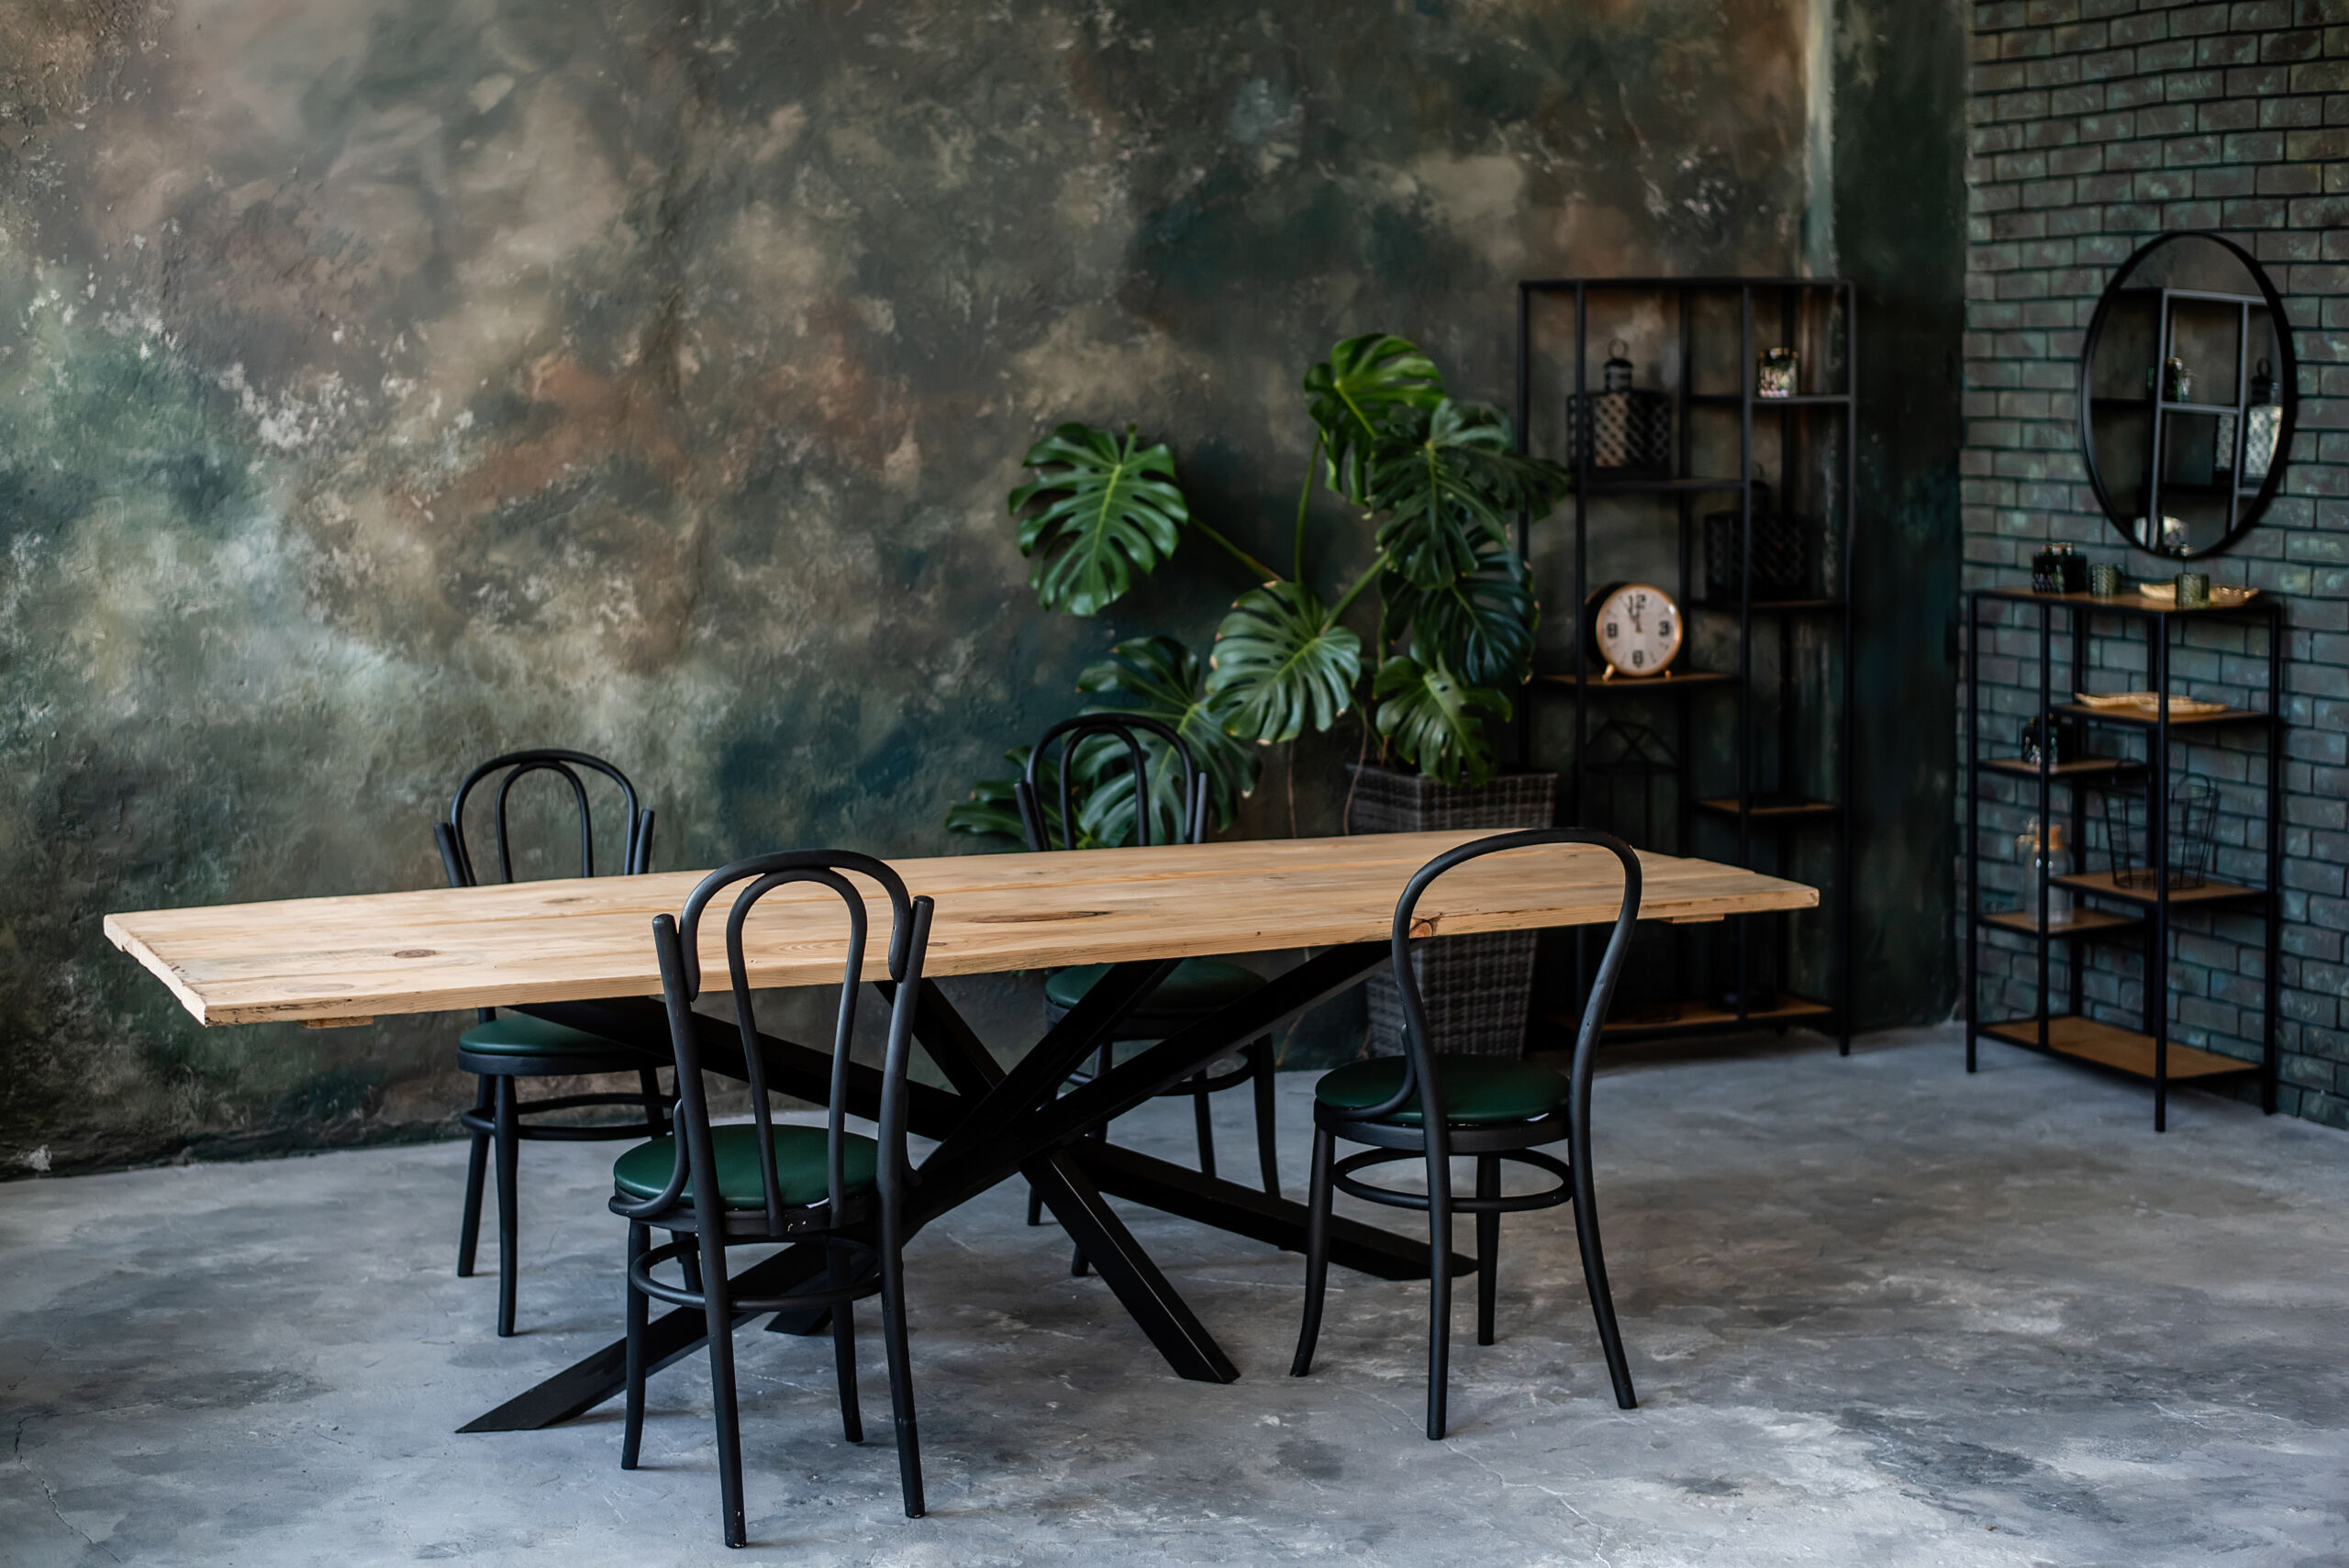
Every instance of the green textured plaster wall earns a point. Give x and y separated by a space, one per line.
384 384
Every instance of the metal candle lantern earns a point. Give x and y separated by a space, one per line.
1624 428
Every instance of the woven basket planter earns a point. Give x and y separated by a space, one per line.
1478 990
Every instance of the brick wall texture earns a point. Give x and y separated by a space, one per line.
2094 126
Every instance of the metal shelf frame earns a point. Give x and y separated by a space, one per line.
2042 1030
1830 305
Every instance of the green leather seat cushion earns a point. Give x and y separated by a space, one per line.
518 1034
644 1170
1197 987
1477 1090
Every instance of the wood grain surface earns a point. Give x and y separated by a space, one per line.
348 958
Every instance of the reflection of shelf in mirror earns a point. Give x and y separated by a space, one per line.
2202 408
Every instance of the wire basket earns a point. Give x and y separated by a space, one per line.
1781 552
2192 831
1624 432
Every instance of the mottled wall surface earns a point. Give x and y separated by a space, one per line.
386 382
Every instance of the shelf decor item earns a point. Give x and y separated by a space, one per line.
1781 552
1623 430
2059 569
2193 818
2178 381
2104 580
2063 734
1635 630
2044 853
2261 421
2193 590
1777 373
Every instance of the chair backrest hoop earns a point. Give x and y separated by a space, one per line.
1128 729
456 853
1419 1048
677 944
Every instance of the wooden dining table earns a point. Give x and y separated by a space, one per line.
579 951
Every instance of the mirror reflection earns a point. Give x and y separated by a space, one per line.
2186 396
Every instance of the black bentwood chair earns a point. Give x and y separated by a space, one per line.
500 1051
1198 987
1431 1107
715 1187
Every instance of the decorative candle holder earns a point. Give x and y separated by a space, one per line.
1776 372
2104 580
2193 590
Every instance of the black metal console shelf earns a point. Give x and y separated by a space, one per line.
2142 913
1714 330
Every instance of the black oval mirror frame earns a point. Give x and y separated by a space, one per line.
2287 394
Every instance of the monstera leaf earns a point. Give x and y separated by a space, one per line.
1480 623
1099 511
1446 481
993 812
1350 393
1436 721
1158 678
1282 661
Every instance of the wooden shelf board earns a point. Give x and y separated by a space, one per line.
1654 1016
2144 720
2109 1045
1670 681
2131 601
2081 922
2102 884
2078 767
1777 812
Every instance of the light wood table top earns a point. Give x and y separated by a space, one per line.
346 960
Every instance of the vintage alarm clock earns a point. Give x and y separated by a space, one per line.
1635 629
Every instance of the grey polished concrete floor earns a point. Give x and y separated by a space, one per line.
1878 1312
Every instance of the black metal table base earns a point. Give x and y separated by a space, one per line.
992 1125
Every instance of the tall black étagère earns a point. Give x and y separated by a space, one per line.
1713 487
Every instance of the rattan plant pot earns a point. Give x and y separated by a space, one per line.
1478 990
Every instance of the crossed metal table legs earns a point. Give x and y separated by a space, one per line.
991 1125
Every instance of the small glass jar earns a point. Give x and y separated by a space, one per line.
1776 372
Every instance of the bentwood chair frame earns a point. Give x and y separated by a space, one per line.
1049 774
862 1229
1435 1142
497 1120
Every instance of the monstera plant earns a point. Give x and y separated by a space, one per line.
1436 479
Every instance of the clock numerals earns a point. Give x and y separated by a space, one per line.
1663 626
1639 658
1614 630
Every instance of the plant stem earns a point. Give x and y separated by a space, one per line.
1364 581
1263 573
1303 497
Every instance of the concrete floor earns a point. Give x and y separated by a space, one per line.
1878 1313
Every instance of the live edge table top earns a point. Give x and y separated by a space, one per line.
349 959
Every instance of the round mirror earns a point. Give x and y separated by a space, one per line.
2188 392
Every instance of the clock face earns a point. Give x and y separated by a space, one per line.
1636 628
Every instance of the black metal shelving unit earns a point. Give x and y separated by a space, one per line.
1820 312
2120 912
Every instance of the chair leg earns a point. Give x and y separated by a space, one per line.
1488 1245
719 1316
901 1373
1594 1277
1440 1293
639 1310
1316 1249
844 1345
1035 1207
509 1223
476 1172
1205 1123
1268 1158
